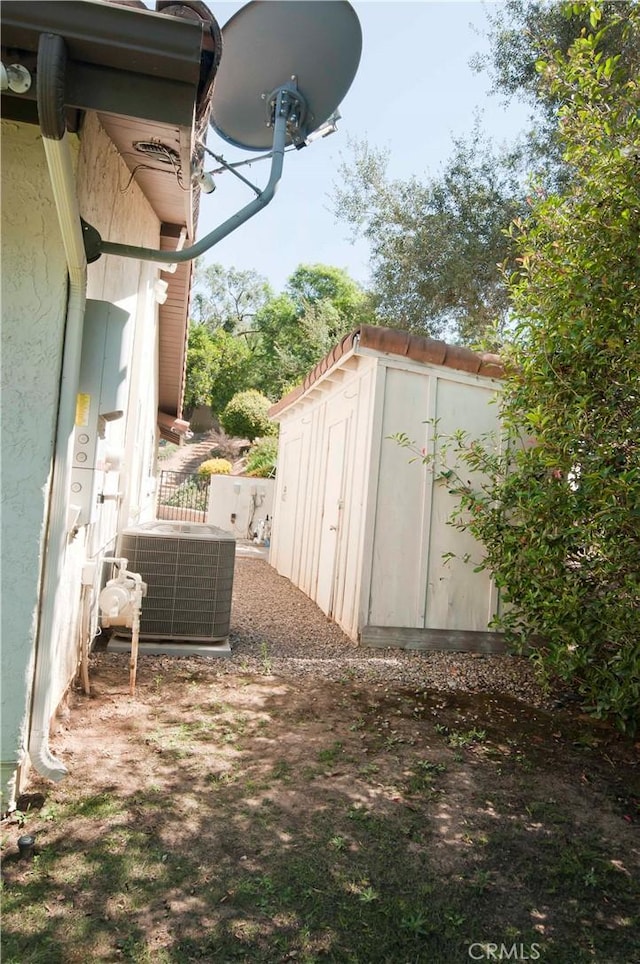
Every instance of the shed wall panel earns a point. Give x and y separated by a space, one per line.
323 458
349 576
457 597
396 594
332 510
315 419
287 506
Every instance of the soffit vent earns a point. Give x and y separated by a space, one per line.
158 151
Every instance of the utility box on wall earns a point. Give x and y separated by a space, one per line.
101 401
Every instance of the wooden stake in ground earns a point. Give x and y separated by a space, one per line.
135 633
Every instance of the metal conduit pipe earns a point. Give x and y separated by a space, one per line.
51 112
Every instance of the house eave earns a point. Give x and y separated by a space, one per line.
140 72
122 60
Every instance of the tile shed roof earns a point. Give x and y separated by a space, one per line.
391 341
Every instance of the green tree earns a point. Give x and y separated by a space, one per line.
228 298
296 329
436 245
559 513
284 353
199 382
218 365
313 283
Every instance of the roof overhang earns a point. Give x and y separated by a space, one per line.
172 429
139 70
173 333
122 60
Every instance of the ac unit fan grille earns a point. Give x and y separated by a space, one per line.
189 580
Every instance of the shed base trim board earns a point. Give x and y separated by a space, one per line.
433 640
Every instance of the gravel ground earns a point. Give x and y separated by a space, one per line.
276 628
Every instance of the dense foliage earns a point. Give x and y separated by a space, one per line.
245 416
262 458
436 245
559 510
247 337
296 329
218 365
519 32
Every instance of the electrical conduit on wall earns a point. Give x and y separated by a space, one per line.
51 112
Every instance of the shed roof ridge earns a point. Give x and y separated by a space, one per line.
396 341
423 348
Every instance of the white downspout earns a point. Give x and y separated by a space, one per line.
51 111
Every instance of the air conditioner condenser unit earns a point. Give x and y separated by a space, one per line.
188 569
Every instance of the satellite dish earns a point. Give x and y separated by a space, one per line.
311 47
285 67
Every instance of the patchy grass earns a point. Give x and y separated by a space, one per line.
213 818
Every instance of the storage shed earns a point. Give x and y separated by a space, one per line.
361 528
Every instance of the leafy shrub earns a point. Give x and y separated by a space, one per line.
558 511
261 460
214 467
245 416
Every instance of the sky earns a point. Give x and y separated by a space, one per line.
414 91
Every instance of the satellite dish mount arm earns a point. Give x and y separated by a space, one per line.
286 116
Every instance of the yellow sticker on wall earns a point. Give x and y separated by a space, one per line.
83 406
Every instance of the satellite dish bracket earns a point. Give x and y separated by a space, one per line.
287 102
296 107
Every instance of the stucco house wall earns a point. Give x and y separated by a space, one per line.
98 148
34 293
34 289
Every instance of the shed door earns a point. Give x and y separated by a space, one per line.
331 517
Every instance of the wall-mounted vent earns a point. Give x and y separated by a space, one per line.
188 568
159 152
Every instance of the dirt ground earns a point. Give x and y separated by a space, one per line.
240 811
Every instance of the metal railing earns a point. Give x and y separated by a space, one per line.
183 496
